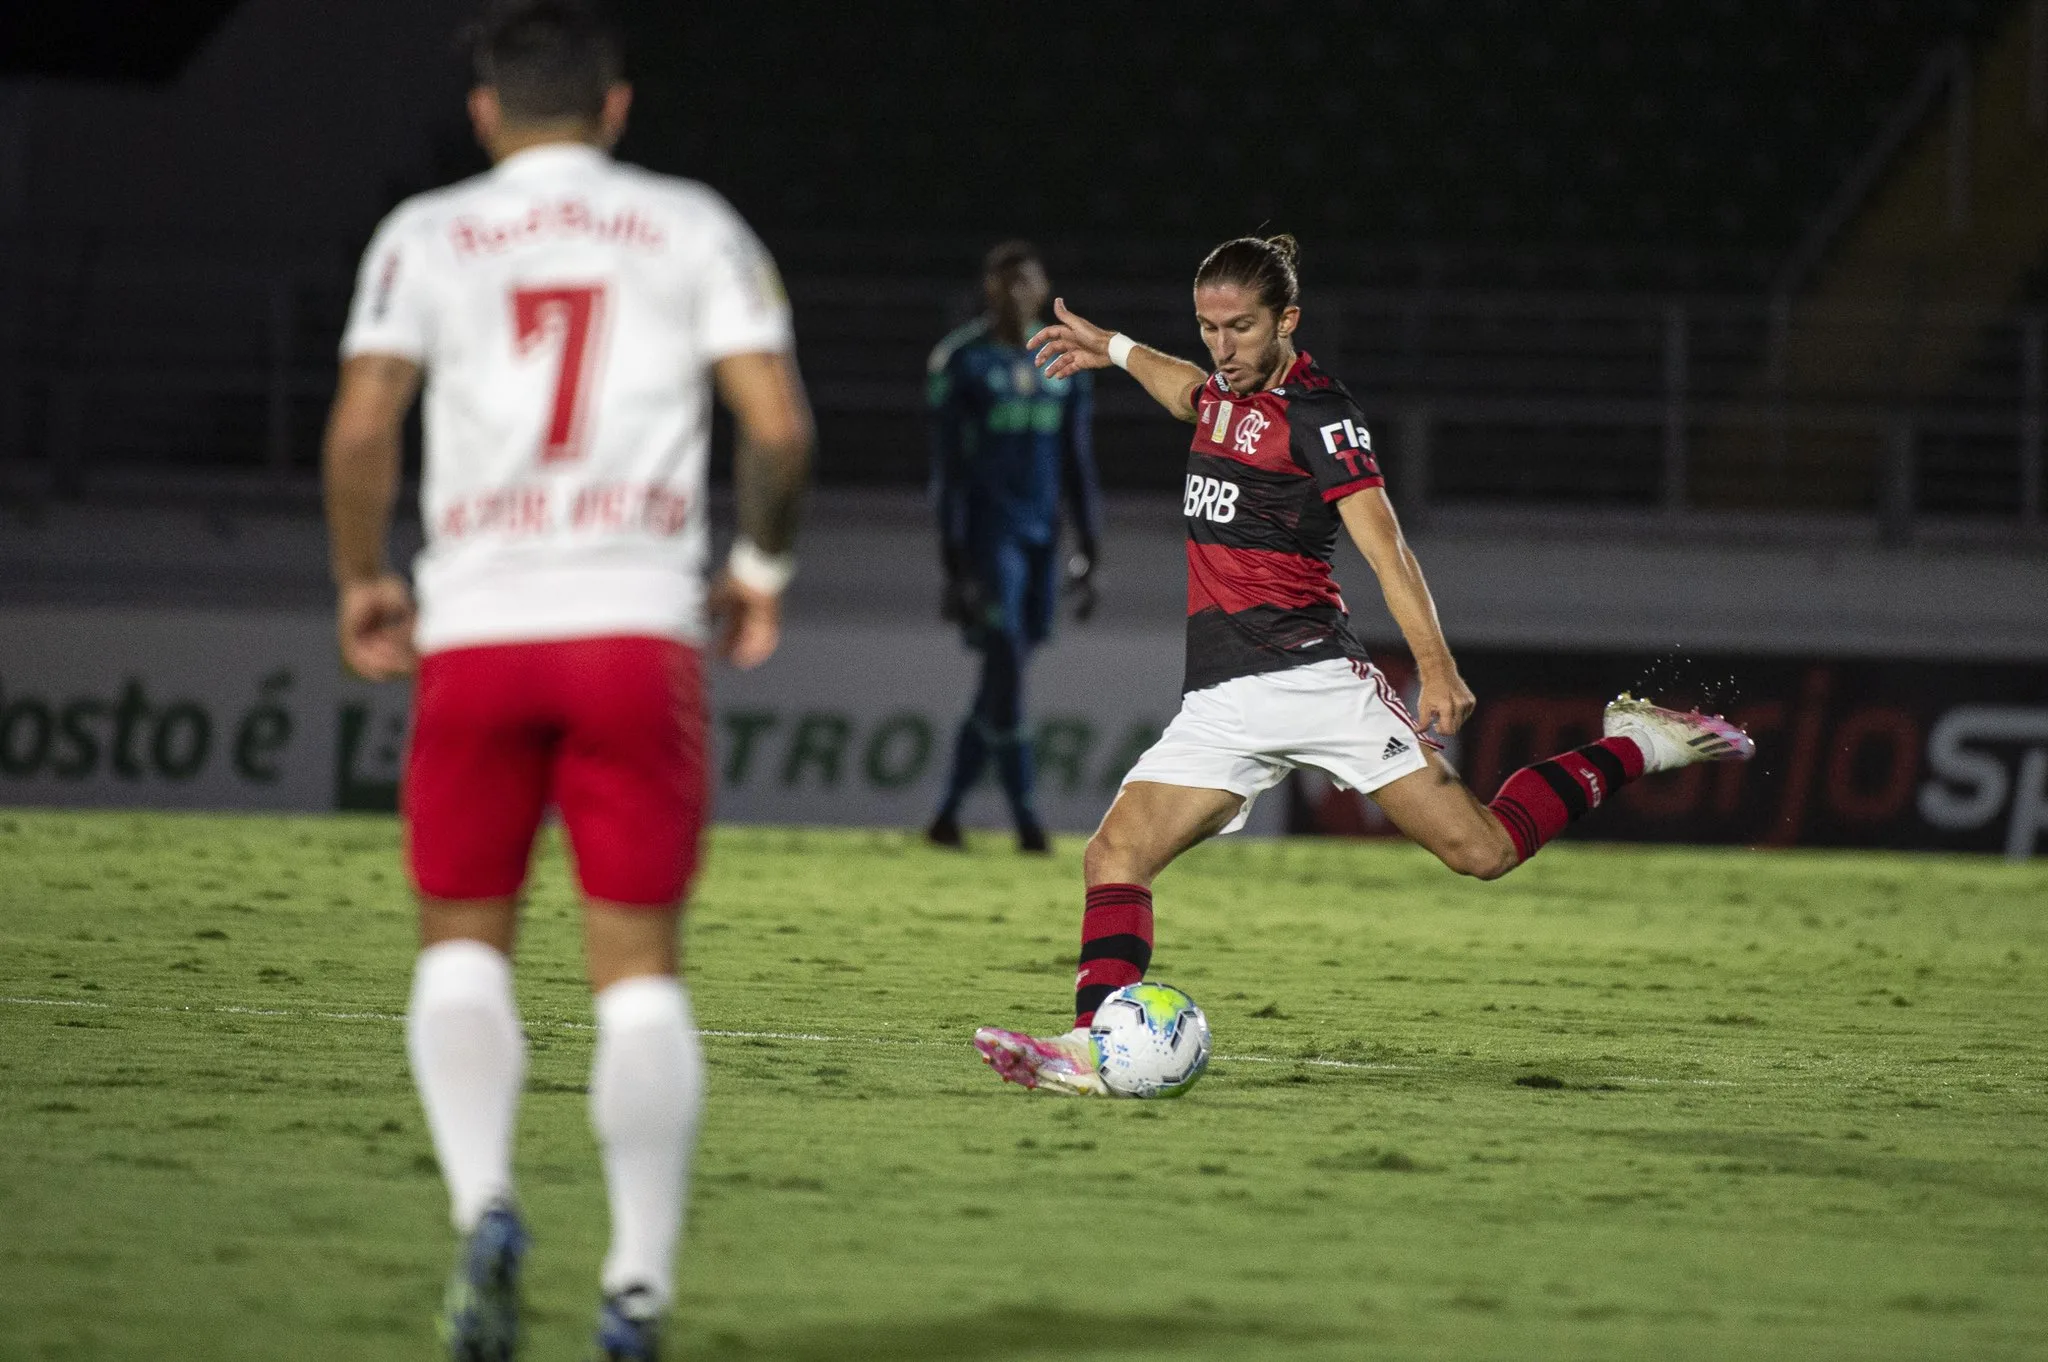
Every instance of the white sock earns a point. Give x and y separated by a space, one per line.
468 1059
646 1089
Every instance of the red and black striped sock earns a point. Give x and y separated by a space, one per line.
1538 802
1116 944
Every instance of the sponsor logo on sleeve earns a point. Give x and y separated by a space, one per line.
1350 443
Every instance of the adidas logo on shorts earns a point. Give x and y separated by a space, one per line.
1395 747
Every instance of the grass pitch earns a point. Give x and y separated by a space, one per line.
1627 1103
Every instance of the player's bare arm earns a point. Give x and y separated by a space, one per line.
1446 701
360 470
771 468
1074 343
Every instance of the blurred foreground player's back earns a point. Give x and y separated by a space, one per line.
1009 445
567 315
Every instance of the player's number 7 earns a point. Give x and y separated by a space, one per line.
572 315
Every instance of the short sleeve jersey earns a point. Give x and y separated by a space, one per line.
1265 474
566 310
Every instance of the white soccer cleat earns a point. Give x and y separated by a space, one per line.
1064 1064
1669 739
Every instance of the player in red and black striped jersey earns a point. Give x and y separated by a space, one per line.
1275 679
1265 477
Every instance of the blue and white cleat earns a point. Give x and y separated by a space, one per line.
628 1327
480 1314
1670 739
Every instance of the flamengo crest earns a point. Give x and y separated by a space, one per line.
1249 430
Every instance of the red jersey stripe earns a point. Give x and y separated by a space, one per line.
1238 579
1363 484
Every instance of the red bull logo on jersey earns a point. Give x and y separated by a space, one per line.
571 217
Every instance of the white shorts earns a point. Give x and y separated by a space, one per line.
1244 735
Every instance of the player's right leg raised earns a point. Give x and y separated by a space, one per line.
1432 807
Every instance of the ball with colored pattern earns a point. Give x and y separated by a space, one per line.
1150 1041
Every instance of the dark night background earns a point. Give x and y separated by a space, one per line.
1499 201
1693 138
1718 272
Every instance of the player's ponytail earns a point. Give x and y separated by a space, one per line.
1265 265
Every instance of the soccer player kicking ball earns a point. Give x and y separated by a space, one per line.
568 315
1275 679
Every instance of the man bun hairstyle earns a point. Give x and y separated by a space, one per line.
1265 265
548 60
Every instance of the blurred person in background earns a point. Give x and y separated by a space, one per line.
1009 444
569 317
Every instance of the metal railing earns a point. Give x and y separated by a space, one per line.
1657 404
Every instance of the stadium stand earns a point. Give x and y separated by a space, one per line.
1542 245
1703 129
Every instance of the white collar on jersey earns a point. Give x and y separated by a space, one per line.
549 158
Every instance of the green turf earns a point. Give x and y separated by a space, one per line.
1790 1105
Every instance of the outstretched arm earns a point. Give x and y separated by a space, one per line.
1446 701
1073 344
771 465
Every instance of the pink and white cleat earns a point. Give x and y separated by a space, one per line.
1064 1064
1670 739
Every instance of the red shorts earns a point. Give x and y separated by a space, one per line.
611 730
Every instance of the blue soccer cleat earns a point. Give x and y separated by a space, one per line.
628 1328
480 1314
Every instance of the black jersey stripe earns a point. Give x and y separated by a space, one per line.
1261 533
1263 639
1277 512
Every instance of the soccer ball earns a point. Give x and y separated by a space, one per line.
1150 1041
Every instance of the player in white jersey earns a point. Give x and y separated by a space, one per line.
568 316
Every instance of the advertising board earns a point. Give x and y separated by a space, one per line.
853 724
1851 752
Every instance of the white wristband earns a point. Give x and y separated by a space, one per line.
1120 347
758 571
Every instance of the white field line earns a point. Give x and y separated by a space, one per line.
811 1036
